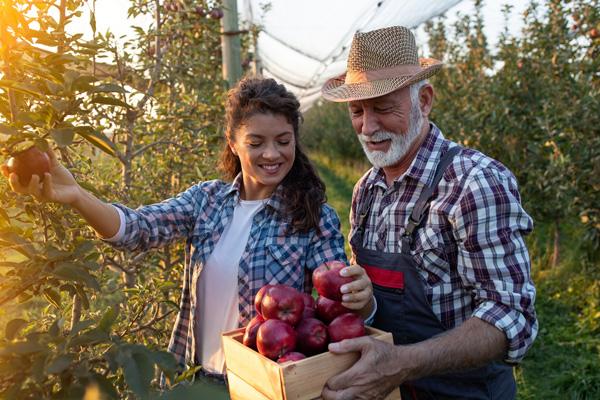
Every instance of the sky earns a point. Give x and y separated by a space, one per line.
318 27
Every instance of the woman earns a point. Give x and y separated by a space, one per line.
270 225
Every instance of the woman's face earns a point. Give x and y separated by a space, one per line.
266 146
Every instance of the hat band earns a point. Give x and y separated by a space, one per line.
385 73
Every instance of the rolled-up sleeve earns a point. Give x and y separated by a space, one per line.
489 225
158 224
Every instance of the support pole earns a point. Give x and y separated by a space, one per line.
230 42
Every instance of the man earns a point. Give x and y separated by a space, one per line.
439 229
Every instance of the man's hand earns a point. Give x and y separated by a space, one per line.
358 294
378 371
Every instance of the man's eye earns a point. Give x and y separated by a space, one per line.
382 109
355 112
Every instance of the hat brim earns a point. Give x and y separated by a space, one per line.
336 89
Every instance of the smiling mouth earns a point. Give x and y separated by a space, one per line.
271 167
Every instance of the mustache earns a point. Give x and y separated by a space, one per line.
376 137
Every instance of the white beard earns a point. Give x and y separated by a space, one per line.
400 145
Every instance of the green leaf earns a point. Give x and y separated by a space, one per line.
53 297
62 136
22 245
74 272
21 87
83 248
92 336
22 348
8 130
166 362
13 327
59 364
4 215
108 318
109 101
79 326
108 88
138 368
97 139
83 83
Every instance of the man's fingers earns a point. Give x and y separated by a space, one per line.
353 270
349 345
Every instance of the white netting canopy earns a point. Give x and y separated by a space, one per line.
304 43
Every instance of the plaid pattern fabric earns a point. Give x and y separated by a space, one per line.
470 251
199 215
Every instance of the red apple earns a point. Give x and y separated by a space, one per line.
275 338
200 11
327 309
328 281
291 356
258 298
346 326
308 300
216 13
309 306
251 331
308 313
28 162
282 302
312 336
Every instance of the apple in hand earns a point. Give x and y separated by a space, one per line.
328 281
258 298
26 163
312 336
291 356
282 302
275 338
346 326
249 338
327 309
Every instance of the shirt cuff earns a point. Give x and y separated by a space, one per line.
371 317
121 232
519 332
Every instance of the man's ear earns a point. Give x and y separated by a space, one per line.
426 99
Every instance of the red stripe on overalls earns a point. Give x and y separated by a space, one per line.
385 277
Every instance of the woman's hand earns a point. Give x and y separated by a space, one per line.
57 186
358 294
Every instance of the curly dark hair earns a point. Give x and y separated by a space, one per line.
303 190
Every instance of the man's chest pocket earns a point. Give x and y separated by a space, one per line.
431 252
284 264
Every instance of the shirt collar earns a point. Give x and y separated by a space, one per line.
275 201
422 167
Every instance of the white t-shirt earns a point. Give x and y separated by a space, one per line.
217 304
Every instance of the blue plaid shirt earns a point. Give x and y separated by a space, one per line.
272 255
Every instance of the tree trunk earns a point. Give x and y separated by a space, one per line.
556 245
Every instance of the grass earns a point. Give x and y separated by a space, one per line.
564 362
339 178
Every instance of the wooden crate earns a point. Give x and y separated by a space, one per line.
252 376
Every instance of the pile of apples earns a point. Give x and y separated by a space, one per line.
291 326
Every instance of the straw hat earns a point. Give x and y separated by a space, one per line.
380 62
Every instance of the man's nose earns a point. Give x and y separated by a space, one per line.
370 123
